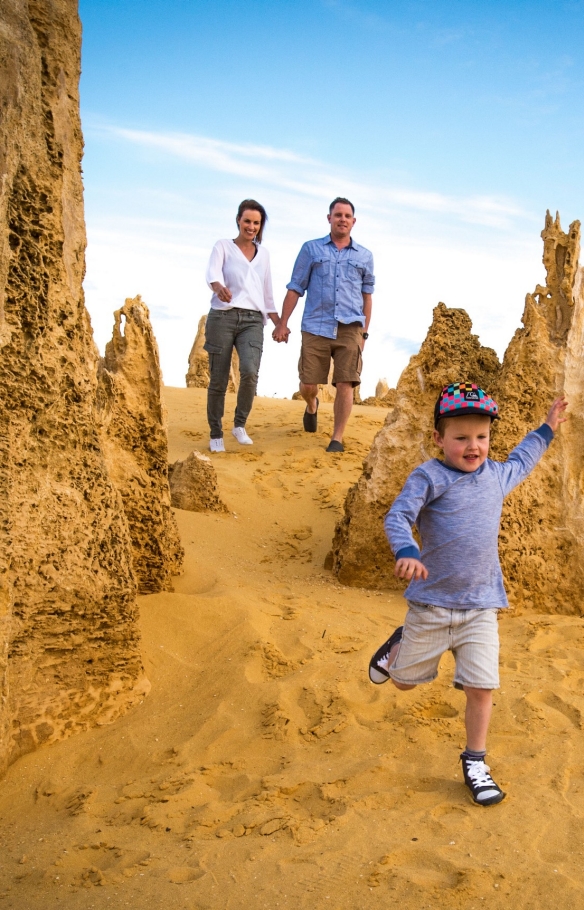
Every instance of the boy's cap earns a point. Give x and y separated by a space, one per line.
461 398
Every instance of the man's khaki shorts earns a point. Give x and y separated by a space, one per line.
345 350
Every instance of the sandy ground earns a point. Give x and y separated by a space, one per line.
264 770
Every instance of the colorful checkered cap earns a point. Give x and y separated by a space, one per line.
461 398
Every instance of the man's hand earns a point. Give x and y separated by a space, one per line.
410 568
281 333
554 417
223 293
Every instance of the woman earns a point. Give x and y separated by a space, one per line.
239 276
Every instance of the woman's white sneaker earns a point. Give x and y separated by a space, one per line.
241 436
216 445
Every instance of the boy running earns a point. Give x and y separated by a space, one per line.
456 584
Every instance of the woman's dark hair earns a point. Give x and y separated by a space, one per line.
253 206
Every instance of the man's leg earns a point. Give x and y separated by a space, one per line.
313 368
309 393
342 409
346 351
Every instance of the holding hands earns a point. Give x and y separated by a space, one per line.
281 332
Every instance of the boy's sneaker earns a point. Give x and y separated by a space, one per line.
379 663
241 436
483 788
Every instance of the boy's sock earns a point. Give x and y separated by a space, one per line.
475 756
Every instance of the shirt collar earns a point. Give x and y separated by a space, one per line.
457 470
352 245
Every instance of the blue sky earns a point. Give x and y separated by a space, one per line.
451 125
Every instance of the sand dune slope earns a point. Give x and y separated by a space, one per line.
263 770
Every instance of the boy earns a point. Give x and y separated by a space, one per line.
456 584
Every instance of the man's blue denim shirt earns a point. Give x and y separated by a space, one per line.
335 280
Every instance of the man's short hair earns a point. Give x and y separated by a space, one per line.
343 201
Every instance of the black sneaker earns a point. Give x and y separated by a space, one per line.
378 664
310 421
483 788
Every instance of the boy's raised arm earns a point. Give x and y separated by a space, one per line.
554 417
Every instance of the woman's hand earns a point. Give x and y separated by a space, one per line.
223 293
409 568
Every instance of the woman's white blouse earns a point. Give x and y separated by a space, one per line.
250 283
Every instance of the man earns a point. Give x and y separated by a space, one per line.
337 275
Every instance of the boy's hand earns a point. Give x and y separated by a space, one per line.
410 568
554 418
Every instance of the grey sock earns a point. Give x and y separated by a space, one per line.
474 756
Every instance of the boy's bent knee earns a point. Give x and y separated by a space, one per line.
403 687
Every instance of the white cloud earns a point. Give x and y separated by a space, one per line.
287 170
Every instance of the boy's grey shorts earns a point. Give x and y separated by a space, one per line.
471 635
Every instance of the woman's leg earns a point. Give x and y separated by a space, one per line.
249 343
220 332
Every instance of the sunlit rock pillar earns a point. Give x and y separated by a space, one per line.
134 437
69 654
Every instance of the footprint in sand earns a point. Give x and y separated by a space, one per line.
275 664
326 712
568 710
414 876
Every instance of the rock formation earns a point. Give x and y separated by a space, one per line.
193 485
69 644
542 530
134 438
198 373
382 388
384 396
360 553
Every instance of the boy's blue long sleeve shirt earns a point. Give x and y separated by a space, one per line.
458 516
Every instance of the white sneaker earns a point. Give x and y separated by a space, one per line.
216 445
241 436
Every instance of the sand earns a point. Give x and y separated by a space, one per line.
264 770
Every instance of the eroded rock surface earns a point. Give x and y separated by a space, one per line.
198 374
69 643
361 555
134 436
193 485
542 529
384 396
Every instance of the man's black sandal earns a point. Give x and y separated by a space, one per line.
310 421
377 672
484 790
335 446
